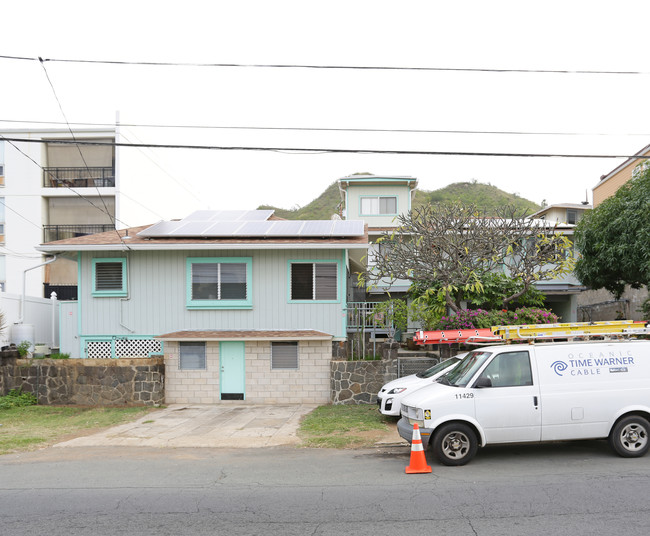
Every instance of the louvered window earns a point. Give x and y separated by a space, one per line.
192 356
284 355
219 282
314 281
109 277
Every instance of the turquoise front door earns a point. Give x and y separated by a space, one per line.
233 370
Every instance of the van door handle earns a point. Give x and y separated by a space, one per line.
535 401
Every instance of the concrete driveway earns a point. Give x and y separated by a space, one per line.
224 425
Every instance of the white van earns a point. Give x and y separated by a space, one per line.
532 393
389 397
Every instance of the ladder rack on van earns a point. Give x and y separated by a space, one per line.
501 334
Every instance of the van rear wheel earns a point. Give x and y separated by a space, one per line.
455 444
630 437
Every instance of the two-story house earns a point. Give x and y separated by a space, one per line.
241 304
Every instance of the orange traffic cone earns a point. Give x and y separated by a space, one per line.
418 463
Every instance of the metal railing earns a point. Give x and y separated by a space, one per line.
61 232
363 328
63 292
78 177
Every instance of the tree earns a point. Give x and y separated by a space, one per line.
614 238
453 247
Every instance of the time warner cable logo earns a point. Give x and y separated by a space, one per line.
558 367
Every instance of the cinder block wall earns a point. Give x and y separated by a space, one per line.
309 384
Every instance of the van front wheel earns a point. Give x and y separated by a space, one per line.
455 444
629 437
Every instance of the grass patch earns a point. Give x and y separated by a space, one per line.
343 426
31 427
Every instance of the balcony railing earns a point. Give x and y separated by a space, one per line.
78 177
61 232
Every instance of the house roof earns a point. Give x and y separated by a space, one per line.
578 206
377 179
173 234
245 335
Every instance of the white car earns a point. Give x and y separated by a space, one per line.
390 395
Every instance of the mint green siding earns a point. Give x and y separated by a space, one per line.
356 193
156 295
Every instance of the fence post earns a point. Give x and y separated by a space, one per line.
54 312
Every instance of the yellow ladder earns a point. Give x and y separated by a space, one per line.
569 330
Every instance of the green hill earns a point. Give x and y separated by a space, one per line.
483 195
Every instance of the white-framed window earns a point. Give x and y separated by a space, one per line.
313 281
219 283
378 205
284 355
191 356
109 277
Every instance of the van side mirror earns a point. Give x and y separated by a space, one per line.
483 382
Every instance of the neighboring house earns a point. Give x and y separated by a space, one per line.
610 183
49 190
565 213
600 304
242 305
378 200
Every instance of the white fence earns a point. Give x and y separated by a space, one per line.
41 313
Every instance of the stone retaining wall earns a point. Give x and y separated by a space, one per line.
102 382
358 382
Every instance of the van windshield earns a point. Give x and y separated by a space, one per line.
463 373
437 368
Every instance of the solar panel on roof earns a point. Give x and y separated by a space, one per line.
191 228
159 229
253 228
317 228
348 228
222 228
285 228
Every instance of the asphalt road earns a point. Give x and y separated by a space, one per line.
574 489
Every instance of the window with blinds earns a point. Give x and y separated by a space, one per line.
284 355
191 356
109 277
314 281
378 205
223 282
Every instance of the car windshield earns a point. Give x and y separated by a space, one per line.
437 368
463 373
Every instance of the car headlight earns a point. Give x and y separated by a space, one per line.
397 390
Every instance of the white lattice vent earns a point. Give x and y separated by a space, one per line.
137 347
98 349
122 348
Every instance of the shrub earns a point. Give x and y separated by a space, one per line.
481 319
16 398
59 356
23 348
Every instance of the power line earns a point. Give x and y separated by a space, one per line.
333 67
303 150
331 129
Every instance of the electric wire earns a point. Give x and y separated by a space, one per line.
303 150
330 129
332 67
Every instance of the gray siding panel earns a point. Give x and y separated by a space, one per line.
156 302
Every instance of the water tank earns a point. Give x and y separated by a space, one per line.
23 332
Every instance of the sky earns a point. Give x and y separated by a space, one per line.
355 109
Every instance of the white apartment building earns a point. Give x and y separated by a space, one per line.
52 189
